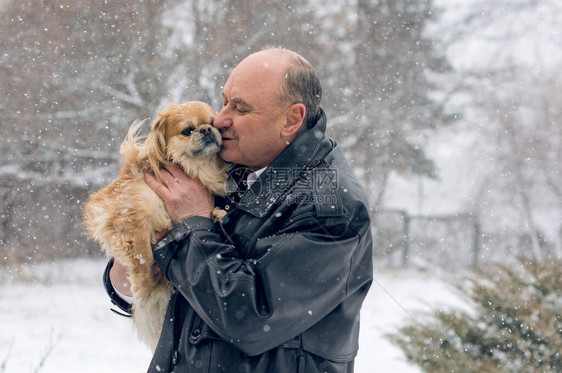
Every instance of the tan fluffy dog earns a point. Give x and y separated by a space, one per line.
124 216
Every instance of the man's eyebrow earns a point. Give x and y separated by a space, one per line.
236 100
239 101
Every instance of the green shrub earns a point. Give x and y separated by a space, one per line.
515 324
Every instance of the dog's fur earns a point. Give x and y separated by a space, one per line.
124 216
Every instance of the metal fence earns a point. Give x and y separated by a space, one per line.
446 241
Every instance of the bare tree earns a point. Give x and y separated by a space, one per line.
512 98
387 71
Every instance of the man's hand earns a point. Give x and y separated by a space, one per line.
183 197
160 235
119 277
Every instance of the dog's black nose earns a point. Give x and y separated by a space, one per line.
205 131
207 135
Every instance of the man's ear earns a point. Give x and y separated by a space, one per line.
294 119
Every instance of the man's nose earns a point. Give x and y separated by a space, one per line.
222 121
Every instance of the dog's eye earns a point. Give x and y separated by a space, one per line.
188 131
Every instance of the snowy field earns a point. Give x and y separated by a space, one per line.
56 318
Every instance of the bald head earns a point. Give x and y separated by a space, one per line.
280 56
268 67
293 77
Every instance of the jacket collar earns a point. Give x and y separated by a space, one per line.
305 153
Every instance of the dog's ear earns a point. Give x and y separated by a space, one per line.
157 143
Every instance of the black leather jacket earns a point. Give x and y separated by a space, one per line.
278 285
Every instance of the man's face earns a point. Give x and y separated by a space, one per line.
252 117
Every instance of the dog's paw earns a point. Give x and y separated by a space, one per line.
218 214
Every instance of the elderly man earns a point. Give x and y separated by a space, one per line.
278 284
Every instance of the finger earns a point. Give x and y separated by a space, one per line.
172 176
168 179
176 172
158 188
156 273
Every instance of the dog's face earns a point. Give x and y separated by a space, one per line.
186 131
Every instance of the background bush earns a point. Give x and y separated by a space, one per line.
515 325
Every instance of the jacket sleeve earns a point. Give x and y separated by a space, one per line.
261 303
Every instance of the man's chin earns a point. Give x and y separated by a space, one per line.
227 156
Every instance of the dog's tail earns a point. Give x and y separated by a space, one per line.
132 147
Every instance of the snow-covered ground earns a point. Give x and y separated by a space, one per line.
56 318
